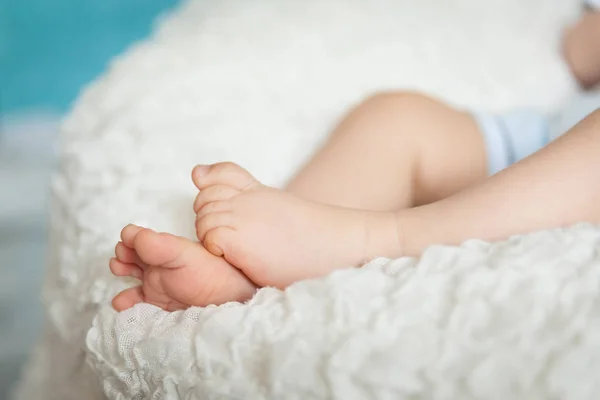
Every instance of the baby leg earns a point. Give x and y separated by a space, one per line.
277 238
556 186
393 151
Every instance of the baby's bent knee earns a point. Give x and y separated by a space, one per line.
398 99
405 108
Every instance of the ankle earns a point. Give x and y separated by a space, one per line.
383 237
410 231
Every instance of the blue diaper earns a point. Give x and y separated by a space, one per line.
515 135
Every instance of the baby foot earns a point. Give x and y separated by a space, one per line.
175 272
277 238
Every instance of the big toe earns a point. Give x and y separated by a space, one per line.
128 298
163 249
203 278
128 234
225 173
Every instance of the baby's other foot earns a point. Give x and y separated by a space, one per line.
175 272
277 238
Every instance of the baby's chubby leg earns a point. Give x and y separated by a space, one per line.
277 238
557 186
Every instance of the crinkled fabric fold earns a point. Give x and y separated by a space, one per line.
512 320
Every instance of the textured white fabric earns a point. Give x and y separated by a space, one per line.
513 320
259 82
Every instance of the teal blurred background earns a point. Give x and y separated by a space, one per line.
49 49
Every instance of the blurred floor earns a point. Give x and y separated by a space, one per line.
26 162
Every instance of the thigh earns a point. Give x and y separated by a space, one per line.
395 150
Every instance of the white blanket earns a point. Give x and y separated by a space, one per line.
260 82
513 320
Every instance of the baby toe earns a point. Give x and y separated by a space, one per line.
211 221
214 193
128 255
120 268
128 234
124 253
164 250
215 206
128 298
153 248
217 239
226 173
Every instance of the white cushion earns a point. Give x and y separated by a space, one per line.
514 320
